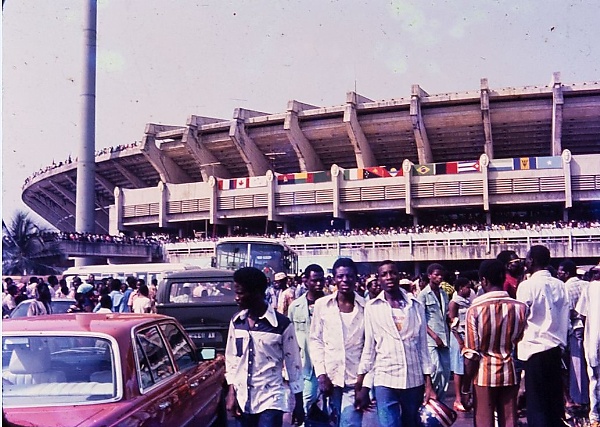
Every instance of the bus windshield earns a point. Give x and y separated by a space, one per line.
269 257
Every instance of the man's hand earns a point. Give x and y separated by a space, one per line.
325 385
362 401
231 403
298 414
429 391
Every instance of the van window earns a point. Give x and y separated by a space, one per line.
218 291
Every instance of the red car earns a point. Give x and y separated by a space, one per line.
108 370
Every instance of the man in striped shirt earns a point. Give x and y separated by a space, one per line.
495 323
396 352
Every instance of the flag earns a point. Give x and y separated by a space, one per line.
376 172
428 169
468 166
241 183
501 165
321 176
224 184
300 177
396 172
524 163
353 174
553 162
258 181
446 168
285 179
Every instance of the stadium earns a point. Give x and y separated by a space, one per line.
518 155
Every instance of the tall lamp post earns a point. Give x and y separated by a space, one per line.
86 165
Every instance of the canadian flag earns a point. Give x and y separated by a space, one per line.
241 183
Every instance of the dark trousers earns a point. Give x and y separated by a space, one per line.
268 418
544 389
500 400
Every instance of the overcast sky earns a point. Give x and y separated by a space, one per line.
162 60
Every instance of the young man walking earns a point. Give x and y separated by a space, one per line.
435 302
395 352
300 313
260 340
495 322
337 336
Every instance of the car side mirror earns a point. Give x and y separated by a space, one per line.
207 353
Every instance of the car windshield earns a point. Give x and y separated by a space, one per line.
204 292
57 370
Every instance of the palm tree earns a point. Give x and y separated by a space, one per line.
21 242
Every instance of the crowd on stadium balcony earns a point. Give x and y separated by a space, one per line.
416 229
71 160
122 239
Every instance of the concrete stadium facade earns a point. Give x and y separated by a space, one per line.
534 146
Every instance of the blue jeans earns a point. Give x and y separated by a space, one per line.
267 418
399 407
310 392
341 403
440 358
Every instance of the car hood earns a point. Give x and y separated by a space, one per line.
105 414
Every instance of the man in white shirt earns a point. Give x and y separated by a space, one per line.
142 303
260 340
589 307
577 386
300 313
396 352
544 338
337 336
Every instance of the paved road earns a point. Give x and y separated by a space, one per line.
464 419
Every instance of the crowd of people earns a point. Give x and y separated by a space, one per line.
70 160
152 239
520 336
415 229
89 296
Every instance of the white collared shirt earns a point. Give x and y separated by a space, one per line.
398 358
589 306
547 314
331 352
254 359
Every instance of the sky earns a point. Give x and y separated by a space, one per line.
161 61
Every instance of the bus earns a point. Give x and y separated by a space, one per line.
146 271
268 255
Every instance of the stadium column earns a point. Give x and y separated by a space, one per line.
484 162
362 149
271 204
256 162
213 216
192 139
116 220
566 157
487 121
557 114
407 173
163 201
86 163
423 147
336 176
166 167
308 158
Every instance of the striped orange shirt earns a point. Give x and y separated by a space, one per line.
495 324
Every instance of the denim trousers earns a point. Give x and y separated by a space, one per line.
399 407
341 403
267 418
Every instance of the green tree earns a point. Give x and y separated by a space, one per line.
22 247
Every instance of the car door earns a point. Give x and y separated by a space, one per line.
204 378
162 387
